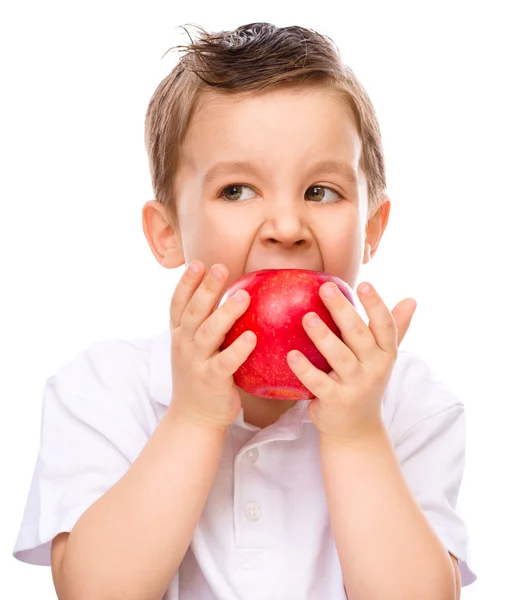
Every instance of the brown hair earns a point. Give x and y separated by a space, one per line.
253 58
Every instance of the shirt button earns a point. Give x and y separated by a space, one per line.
252 455
253 511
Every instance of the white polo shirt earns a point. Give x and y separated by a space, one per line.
265 531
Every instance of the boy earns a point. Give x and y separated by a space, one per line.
157 477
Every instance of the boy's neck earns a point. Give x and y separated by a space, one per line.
262 412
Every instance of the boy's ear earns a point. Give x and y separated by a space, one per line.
162 234
375 228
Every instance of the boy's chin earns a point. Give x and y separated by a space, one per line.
262 412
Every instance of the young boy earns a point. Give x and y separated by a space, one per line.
157 477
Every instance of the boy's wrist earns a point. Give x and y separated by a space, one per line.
371 437
186 419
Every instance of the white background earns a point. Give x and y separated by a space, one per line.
75 267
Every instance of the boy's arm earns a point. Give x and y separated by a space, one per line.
457 576
386 547
131 541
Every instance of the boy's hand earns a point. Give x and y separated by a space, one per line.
348 399
202 376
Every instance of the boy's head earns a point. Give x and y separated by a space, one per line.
265 152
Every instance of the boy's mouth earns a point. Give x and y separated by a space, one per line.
282 265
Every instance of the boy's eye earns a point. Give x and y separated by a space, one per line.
233 193
318 194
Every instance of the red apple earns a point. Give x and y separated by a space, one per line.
279 300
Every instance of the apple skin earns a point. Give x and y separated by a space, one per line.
279 300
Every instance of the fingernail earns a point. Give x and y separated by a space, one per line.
195 267
248 337
329 290
294 356
313 320
217 272
240 296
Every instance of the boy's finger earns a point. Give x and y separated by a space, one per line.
186 287
354 330
381 322
315 380
204 300
336 352
224 364
403 314
210 334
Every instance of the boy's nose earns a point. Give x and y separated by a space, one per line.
285 226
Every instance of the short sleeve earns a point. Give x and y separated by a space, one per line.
430 447
85 449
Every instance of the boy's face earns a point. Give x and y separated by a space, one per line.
281 206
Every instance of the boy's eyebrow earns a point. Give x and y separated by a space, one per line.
225 168
331 166
326 166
